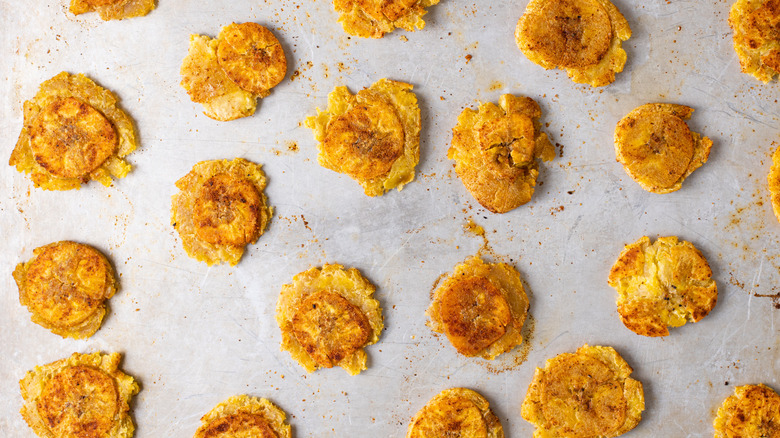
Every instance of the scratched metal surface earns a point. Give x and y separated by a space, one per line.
193 336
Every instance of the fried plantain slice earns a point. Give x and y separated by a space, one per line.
495 150
244 416
220 209
662 284
584 37
375 18
228 210
752 411
65 286
70 138
474 314
228 74
456 413
756 26
73 132
481 308
237 425
113 9
208 84
327 316
773 180
251 56
94 416
584 394
83 396
373 136
574 33
329 327
365 140
591 380
656 147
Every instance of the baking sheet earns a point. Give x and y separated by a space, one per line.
193 336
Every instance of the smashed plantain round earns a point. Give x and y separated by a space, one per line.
584 37
329 327
208 84
773 180
656 147
220 209
474 314
73 132
373 136
752 411
251 56
481 308
327 316
756 26
495 151
83 396
113 9
65 286
228 210
584 394
456 413
574 33
662 284
228 74
366 140
375 18
70 138
244 416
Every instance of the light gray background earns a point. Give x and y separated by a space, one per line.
193 335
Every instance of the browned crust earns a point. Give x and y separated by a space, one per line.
307 288
79 401
65 86
456 412
113 9
360 135
584 37
84 396
65 286
221 207
773 182
656 147
329 327
584 394
228 210
228 74
756 39
232 425
251 56
70 138
496 151
375 18
366 140
752 411
483 328
662 284
474 314
571 33
244 416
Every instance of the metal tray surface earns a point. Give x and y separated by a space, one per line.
193 335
